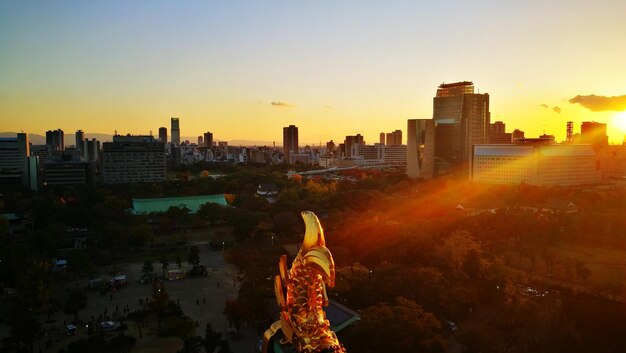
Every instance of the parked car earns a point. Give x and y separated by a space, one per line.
70 329
107 325
97 283
118 281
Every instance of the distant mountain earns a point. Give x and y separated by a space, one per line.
32 138
249 143
70 139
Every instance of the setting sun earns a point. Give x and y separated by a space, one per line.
619 121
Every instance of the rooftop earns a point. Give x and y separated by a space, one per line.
456 84
161 205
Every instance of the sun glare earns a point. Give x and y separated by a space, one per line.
619 121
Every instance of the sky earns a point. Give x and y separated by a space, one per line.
244 70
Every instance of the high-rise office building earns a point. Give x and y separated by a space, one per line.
133 159
394 138
420 152
200 141
290 142
382 138
55 139
91 149
330 148
163 134
208 139
497 128
351 141
462 119
14 153
498 134
80 140
594 134
175 131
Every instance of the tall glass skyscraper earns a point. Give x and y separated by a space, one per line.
175 131
462 119
290 142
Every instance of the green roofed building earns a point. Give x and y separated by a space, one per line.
160 205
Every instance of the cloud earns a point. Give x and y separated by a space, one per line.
281 104
554 109
601 103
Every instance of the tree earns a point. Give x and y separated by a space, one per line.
24 326
402 327
193 258
160 301
213 340
147 268
164 264
140 235
75 301
184 328
471 264
179 261
36 286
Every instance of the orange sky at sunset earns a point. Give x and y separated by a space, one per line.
339 69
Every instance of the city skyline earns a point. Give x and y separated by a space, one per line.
243 71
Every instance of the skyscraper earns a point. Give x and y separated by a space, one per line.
330 148
290 142
14 153
394 138
462 119
55 139
594 134
131 159
498 134
200 141
163 134
175 131
420 152
382 138
80 140
351 141
208 139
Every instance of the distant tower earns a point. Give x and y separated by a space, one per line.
382 138
420 153
200 141
55 139
290 141
462 119
163 134
330 148
208 139
80 140
394 138
175 131
594 134
570 132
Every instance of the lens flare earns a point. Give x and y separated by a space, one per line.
619 121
